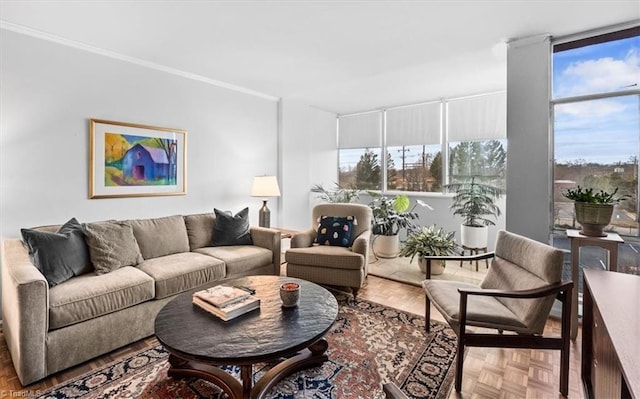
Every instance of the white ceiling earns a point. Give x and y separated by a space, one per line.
340 56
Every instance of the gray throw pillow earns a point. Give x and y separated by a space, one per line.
60 255
112 245
231 230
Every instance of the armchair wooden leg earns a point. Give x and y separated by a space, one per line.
355 292
427 314
459 362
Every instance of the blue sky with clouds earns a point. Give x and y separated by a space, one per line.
605 130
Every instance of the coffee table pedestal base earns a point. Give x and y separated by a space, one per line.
314 355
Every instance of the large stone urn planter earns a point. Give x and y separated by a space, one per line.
593 218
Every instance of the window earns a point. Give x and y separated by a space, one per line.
412 139
596 123
359 155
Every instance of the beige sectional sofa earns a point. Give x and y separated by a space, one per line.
48 329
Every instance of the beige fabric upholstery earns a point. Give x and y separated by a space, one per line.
519 264
90 295
200 229
177 273
332 265
240 260
161 236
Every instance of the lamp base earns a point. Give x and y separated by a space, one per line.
264 215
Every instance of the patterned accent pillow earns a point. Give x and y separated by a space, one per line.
335 230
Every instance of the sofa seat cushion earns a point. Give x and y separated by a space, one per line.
181 272
325 256
482 311
90 295
240 259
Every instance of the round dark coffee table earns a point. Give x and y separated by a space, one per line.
198 342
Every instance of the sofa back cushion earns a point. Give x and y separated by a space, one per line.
161 236
200 229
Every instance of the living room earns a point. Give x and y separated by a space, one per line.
258 89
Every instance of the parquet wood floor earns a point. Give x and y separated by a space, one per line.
488 372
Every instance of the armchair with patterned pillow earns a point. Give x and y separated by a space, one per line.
335 249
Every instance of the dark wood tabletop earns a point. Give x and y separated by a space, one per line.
191 334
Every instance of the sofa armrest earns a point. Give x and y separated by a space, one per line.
25 311
270 239
303 239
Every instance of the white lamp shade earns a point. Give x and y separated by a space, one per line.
265 186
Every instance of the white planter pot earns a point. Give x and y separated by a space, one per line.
437 267
474 237
386 246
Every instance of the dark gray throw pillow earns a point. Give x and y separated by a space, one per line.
60 255
231 230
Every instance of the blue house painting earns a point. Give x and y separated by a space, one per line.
145 163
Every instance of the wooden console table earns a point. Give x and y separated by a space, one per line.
611 335
610 243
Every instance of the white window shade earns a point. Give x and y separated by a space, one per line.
478 118
415 125
360 130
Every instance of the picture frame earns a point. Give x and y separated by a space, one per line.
133 160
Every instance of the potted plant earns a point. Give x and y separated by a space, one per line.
390 216
593 210
475 202
429 241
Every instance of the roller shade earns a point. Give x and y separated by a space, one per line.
414 125
478 118
360 130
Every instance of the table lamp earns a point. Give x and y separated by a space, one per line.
265 186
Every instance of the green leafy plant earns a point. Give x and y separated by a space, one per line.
475 202
589 196
338 194
390 215
429 241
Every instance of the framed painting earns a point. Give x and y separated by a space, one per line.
131 160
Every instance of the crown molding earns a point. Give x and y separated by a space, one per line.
5 25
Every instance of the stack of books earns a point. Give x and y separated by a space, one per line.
226 302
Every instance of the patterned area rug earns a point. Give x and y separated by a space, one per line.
369 344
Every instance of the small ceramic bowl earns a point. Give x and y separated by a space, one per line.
290 294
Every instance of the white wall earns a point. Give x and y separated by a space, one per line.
529 172
50 91
309 157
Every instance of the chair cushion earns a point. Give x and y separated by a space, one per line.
239 259
327 256
335 230
361 212
161 236
181 272
90 295
482 311
200 229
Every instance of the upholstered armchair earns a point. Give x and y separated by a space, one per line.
516 295
338 265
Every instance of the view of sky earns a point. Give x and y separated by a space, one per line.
606 130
